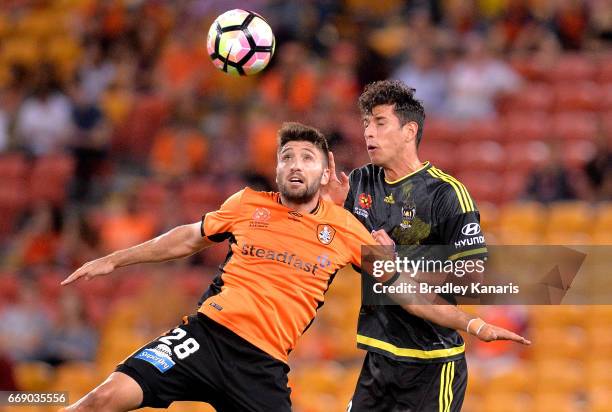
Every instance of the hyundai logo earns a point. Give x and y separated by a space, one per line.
471 229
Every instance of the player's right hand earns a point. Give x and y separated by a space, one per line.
98 267
338 187
491 332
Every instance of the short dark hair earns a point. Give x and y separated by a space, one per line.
298 132
396 93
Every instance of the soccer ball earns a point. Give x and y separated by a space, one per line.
240 42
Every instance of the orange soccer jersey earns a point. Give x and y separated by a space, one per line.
279 266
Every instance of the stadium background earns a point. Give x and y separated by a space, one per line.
115 127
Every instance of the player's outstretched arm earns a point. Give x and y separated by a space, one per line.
179 242
338 187
452 317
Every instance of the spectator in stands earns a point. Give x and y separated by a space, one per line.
422 72
124 225
38 241
601 23
89 142
599 169
79 242
551 181
24 325
477 80
43 121
72 338
180 149
570 23
95 73
293 82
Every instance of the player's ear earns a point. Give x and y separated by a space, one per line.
409 131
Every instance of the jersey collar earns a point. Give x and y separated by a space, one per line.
420 169
315 210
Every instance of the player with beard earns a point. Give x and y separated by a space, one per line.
284 250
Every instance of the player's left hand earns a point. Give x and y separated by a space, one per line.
490 333
382 238
338 187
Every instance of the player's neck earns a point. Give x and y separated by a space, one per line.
402 167
300 207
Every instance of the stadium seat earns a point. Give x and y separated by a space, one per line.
513 185
20 50
606 121
489 216
603 216
583 96
485 155
480 187
604 65
13 166
558 402
77 378
569 217
606 99
532 97
526 217
153 196
523 156
64 52
599 372
50 177
577 152
557 316
33 376
573 68
526 126
198 197
558 342
511 380
530 68
558 376
14 197
440 129
600 399
487 129
9 286
440 153
574 126
505 402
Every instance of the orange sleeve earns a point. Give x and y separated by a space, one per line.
357 236
218 224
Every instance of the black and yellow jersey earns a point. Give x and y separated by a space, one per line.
426 207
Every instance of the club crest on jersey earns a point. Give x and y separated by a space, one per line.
389 199
408 215
260 218
365 201
325 234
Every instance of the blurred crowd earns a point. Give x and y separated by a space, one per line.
115 126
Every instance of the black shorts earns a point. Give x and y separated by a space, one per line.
387 385
202 360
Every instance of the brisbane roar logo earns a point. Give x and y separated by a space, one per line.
325 234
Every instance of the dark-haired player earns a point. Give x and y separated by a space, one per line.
285 249
405 201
